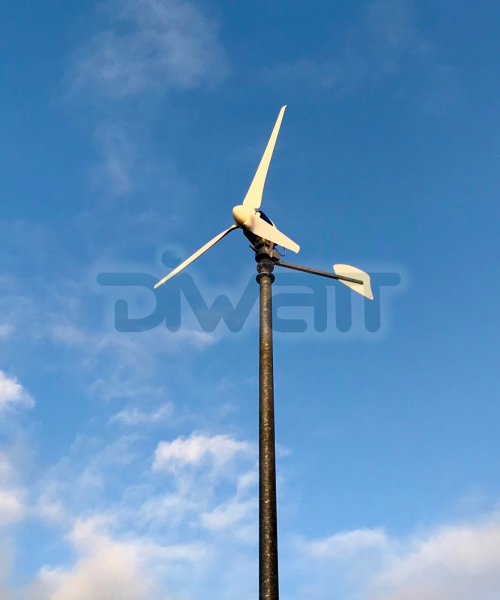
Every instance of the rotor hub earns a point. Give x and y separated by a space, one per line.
241 214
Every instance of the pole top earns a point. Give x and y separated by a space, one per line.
265 268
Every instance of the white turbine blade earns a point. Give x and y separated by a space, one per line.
196 255
365 288
269 232
253 198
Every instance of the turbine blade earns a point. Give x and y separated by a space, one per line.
365 288
194 256
253 198
269 232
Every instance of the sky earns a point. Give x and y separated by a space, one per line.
128 459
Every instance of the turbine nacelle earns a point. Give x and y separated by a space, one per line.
242 214
252 220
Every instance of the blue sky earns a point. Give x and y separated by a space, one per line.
128 460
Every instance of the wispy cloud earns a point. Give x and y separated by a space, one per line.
455 562
229 514
118 159
129 546
393 23
13 394
6 330
145 50
452 563
219 450
170 530
347 543
121 364
12 507
12 495
385 44
109 568
150 45
133 417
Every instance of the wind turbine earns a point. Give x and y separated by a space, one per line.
264 236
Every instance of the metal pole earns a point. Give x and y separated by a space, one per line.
268 523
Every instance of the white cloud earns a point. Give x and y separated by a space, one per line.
52 512
12 393
385 41
6 552
153 45
384 44
12 507
6 330
6 468
145 50
210 528
393 22
459 562
199 465
456 562
109 569
347 543
219 449
123 364
342 76
118 157
229 514
69 335
134 417
248 480
49 507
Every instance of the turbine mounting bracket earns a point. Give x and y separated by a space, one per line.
264 250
